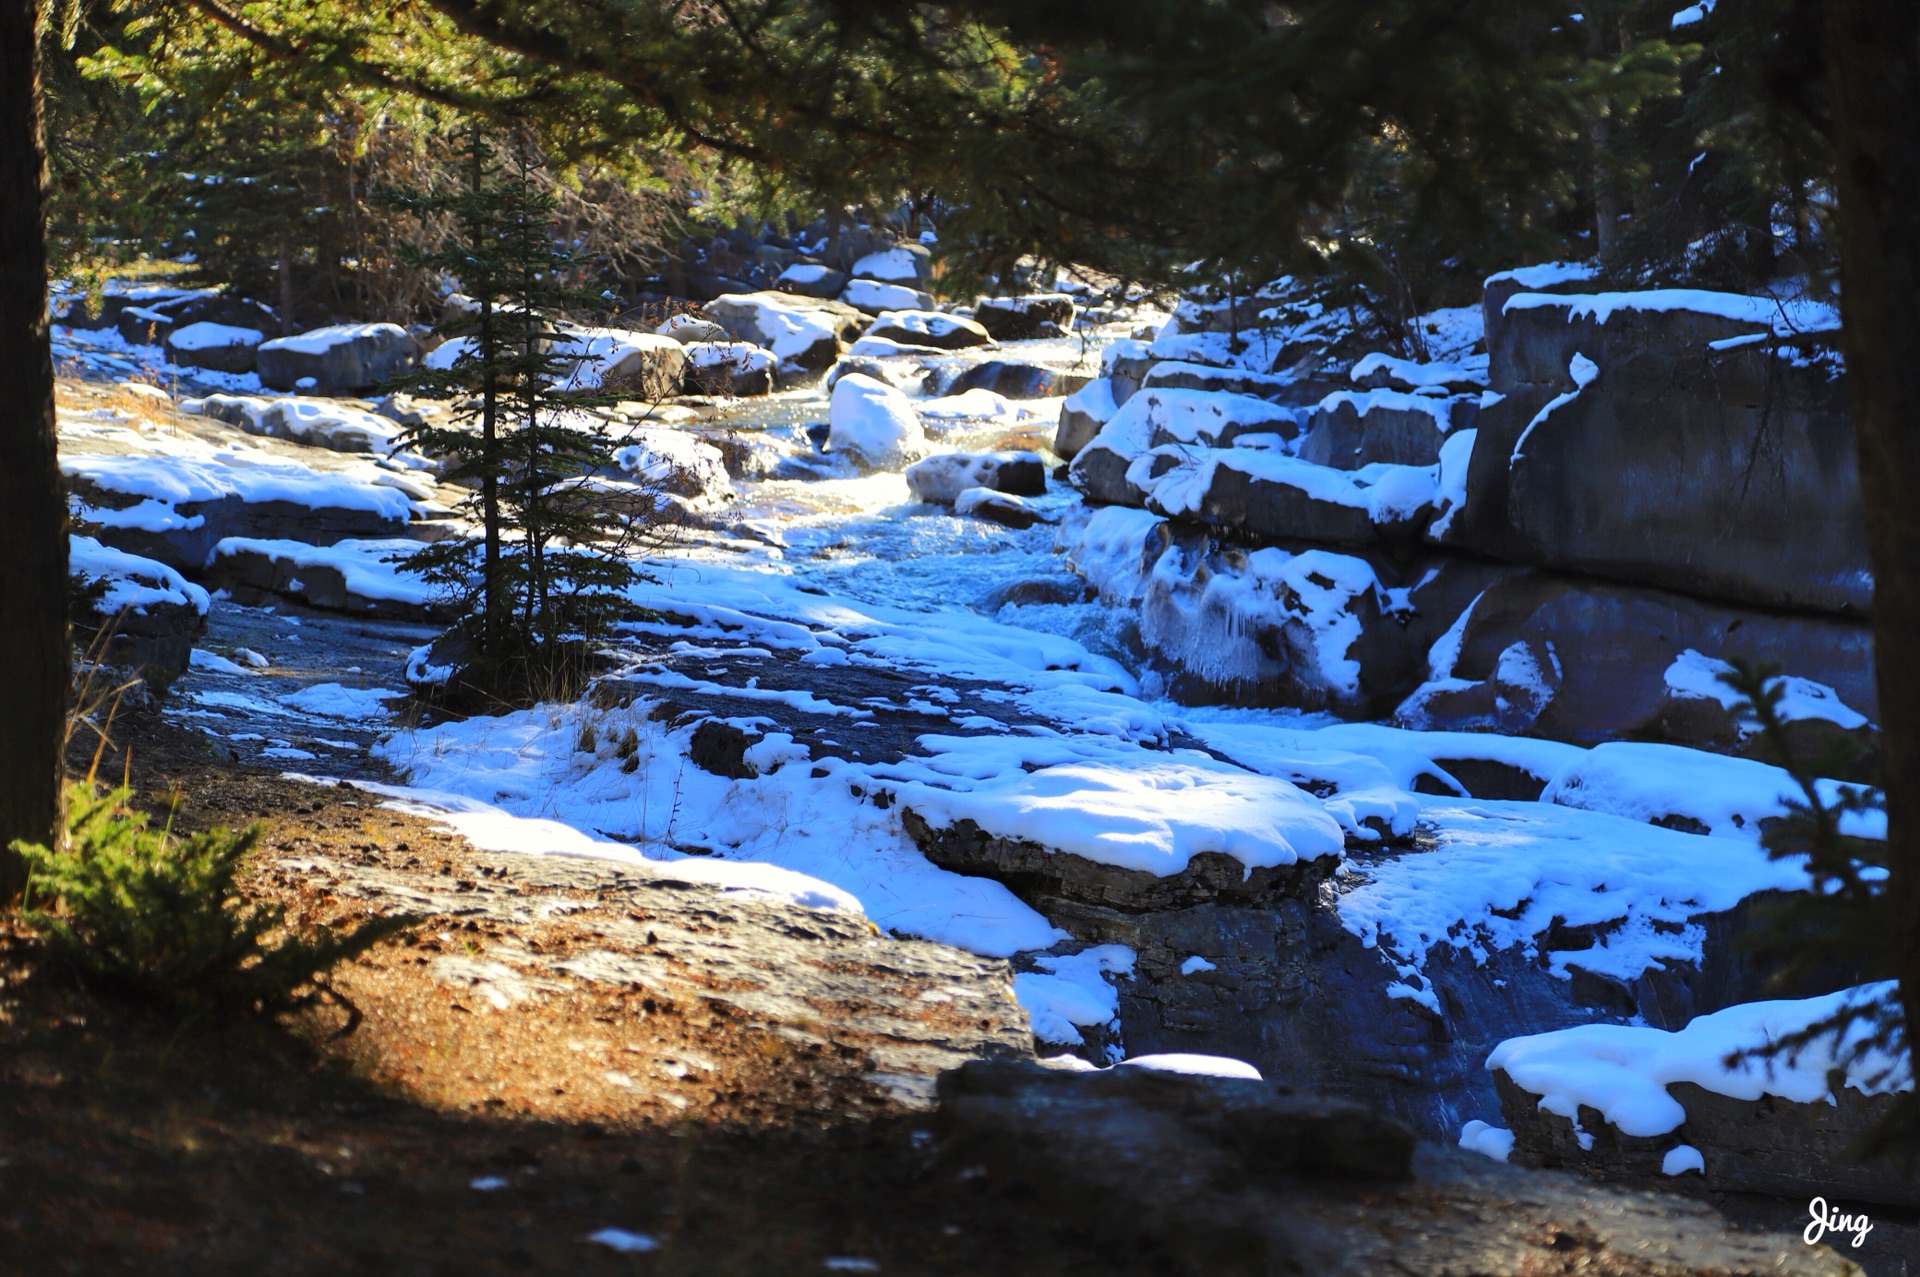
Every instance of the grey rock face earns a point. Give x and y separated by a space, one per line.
1346 432
254 574
155 641
1585 661
342 360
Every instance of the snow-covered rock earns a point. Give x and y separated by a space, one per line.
340 359
1348 430
804 333
1082 415
641 365
322 423
220 347
1621 1100
900 264
1003 508
688 328
357 576
729 368
677 462
152 613
873 423
928 328
875 298
810 279
1016 380
943 478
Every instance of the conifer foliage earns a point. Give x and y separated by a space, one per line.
548 563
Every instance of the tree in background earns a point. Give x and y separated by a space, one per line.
548 564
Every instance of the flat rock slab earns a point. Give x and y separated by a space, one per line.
1225 1176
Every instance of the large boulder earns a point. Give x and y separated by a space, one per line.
1018 318
942 479
1696 441
677 462
218 347
804 333
1082 414
133 612
341 359
873 423
360 577
1587 661
930 328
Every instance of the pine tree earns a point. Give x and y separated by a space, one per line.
548 565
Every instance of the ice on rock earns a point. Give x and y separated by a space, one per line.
873 423
1196 1065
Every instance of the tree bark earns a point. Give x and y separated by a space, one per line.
35 660
1873 52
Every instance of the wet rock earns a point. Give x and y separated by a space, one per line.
943 478
1018 318
1003 508
1017 380
343 359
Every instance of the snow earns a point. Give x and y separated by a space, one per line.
873 423
201 659
1388 493
1071 992
1545 275
1782 316
889 265
978 404
1682 1158
851 1264
932 326
1095 400
662 455
804 273
873 296
366 566
1693 674
1500 873
1623 1070
335 700
327 424
738 357
1411 372
1117 805
606 353
1154 416
1438 410
1726 796
443 357
1484 1138
1456 461
209 336
1685 18
133 582
318 341
780 324
623 1241
1194 1065
1196 964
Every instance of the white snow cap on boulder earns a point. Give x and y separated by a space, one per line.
874 297
873 423
901 264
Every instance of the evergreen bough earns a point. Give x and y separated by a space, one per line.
143 912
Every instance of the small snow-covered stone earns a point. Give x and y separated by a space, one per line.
676 462
942 479
1018 318
647 365
873 423
804 333
688 329
810 279
997 507
729 368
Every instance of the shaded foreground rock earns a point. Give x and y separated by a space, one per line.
1228 1176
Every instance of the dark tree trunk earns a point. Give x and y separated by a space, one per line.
35 661
1873 52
